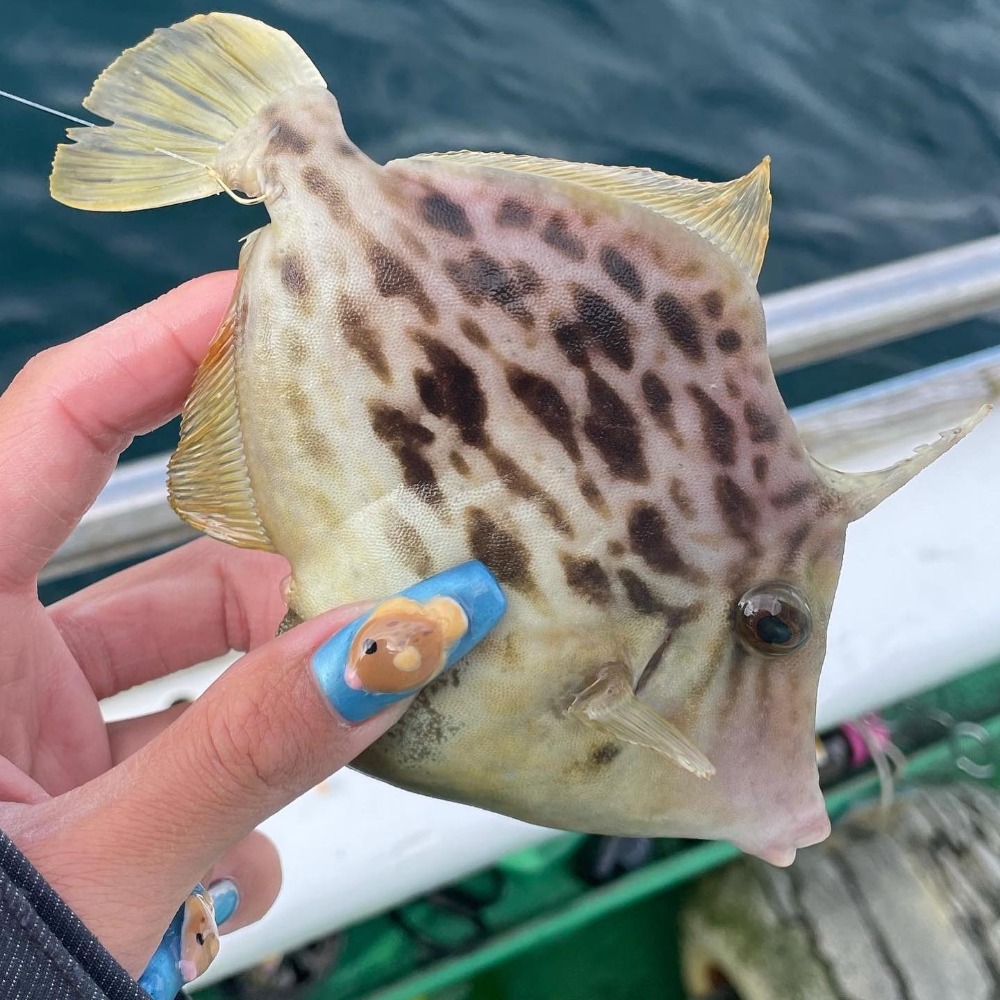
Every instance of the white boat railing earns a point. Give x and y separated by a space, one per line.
832 318
805 325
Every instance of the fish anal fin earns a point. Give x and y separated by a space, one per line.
208 482
862 492
733 215
610 704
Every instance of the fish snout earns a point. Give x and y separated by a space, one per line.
804 825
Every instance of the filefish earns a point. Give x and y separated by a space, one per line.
558 369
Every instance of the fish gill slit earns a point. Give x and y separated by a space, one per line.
652 664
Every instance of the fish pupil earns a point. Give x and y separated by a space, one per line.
199 937
773 630
370 646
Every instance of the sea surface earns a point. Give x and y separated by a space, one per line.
882 118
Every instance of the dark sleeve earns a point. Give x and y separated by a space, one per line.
46 952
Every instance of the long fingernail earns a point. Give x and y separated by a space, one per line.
405 642
226 897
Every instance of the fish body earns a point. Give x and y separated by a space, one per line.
557 369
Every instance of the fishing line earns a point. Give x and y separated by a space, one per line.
156 149
215 177
42 107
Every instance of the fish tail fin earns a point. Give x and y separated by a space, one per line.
175 100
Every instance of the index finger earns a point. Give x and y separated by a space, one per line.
74 408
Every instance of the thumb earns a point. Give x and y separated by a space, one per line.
279 721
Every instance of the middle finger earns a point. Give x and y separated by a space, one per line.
173 611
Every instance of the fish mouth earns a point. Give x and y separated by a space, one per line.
781 851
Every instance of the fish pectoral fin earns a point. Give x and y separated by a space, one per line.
208 482
611 705
733 215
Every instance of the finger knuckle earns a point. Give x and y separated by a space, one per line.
252 750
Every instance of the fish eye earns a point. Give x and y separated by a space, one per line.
772 618
370 646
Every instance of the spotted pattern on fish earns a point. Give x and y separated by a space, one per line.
613 430
794 494
523 485
331 195
362 336
393 276
601 324
728 340
543 400
623 273
587 578
739 512
558 235
294 277
514 214
440 212
650 539
404 537
501 550
713 303
760 426
604 754
473 332
559 369
795 540
660 402
450 389
682 499
681 326
569 338
639 593
591 492
288 139
407 438
544 384
718 429
482 278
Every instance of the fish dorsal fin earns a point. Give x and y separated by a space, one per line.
733 215
611 705
208 482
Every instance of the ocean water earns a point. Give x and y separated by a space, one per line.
882 118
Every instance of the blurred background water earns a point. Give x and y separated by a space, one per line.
882 118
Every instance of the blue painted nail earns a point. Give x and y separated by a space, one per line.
187 949
408 640
226 897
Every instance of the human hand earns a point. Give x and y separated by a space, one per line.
123 819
